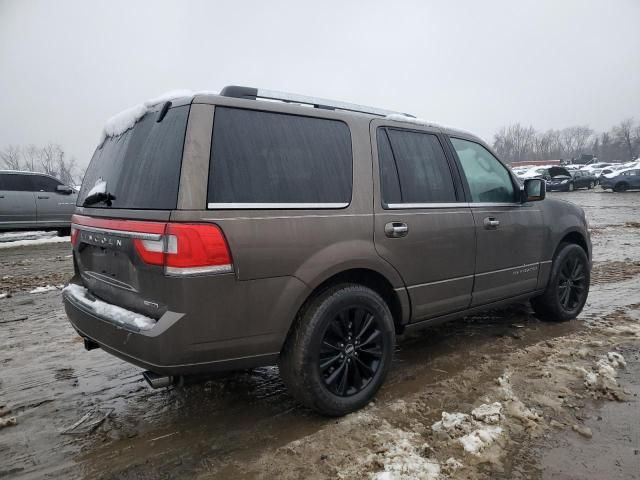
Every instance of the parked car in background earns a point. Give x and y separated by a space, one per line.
595 166
533 172
622 180
560 179
612 169
31 200
582 179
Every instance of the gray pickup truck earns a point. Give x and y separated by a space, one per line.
35 201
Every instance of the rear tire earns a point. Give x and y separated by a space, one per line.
64 232
591 185
568 286
340 349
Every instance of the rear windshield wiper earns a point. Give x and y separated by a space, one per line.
99 197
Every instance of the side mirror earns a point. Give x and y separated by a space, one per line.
64 189
534 190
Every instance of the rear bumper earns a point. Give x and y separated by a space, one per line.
180 343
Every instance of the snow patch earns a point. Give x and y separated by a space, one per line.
107 310
603 377
450 422
99 187
35 241
488 413
47 288
123 121
3 295
402 460
479 439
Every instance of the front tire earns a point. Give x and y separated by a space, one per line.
568 286
591 185
621 187
339 351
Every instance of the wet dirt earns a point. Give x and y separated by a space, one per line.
245 425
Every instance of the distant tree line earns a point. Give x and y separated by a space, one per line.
519 143
50 159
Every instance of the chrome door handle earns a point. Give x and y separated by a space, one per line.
43 197
490 223
396 229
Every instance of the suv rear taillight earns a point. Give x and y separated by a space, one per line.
181 248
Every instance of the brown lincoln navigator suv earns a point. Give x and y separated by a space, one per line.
251 227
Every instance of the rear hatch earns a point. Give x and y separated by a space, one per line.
125 249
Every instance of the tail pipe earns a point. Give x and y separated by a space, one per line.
156 380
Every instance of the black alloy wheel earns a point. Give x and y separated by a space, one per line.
351 351
568 286
339 350
572 283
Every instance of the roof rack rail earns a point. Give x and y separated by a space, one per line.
251 93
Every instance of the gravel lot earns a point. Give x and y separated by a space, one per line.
566 407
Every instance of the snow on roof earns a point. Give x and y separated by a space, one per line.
126 119
420 121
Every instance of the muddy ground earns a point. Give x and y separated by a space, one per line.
528 399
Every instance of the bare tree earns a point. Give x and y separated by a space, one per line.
515 142
574 140
11 157
628 136
51 159
32 156
66 170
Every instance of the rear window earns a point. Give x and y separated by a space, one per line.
263 160
141 167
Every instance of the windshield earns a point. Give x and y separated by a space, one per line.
139 169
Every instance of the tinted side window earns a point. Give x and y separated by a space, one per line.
413 168
16 183
488 179
44 184
263 157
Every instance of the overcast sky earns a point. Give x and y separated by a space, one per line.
67 66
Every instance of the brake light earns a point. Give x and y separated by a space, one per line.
74 236
181 248
187 249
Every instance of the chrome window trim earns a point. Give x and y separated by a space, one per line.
396 206
494 204
121 233
276 206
